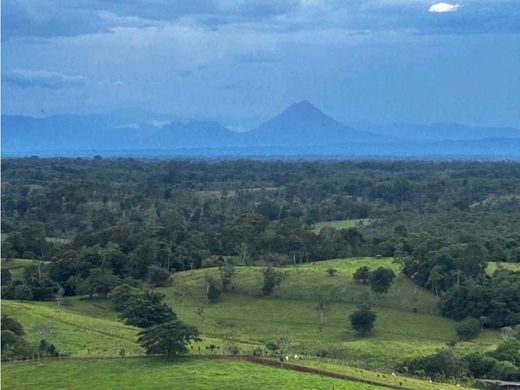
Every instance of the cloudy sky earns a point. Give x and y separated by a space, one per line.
239 61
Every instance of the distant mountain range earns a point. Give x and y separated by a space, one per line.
301 129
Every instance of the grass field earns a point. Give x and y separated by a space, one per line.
90 327
341 224
71 332
253 319
493 266
156 373
16 266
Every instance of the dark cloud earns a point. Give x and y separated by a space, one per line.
49 18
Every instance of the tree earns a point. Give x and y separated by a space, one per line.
226 274
362 275
9 323
122 296
169 338
272 279
332 271
212 290
158 277
362 320
321 308
99 281
469 328
381 279
147 310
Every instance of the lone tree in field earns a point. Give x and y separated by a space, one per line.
362 320
272 279
322 307
170 338
147 310
226 274
381 279
212 290
332 271
362 275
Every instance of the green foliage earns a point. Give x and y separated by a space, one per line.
331 271
469 328
168 338
226 274
98 282
122 296
212 290
497 299
147 310
11 324
362 275
440 366
158 277
362 320
381 279
272 279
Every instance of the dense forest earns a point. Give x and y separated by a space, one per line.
99 223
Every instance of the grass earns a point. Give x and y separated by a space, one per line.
342 224
90 327
493 266
386 378
157 373
71 332
253 319
17 266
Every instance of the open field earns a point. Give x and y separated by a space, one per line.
343 224
493 266
85 327
78 334
248 317
16 266
157 373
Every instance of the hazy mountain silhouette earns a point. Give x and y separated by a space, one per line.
302 124
301 129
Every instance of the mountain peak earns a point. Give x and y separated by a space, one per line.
302 106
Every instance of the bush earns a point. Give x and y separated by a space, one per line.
212 290
441 366
158 277
469 328
381 279
22 292
272 279
362 275
362 320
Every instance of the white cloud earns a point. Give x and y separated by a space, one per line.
440 8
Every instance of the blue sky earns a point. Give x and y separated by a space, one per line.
241 62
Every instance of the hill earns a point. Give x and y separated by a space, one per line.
299 130
302 124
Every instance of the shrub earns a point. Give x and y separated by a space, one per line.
362 275
469 328
158 277
362 320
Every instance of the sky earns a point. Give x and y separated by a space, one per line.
242 61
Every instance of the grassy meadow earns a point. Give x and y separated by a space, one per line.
157 373
89 327
341 224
